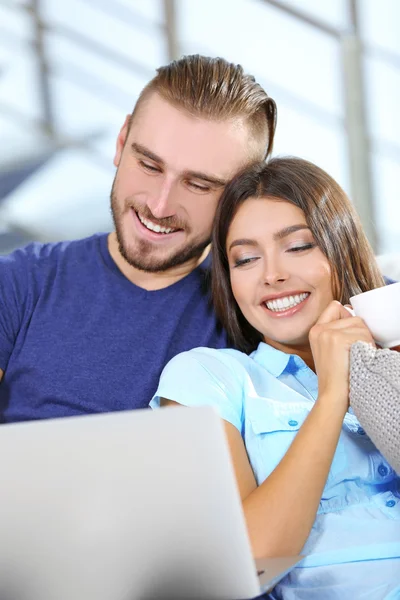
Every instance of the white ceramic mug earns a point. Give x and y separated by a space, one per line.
380 309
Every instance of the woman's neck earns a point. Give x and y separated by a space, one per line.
301 350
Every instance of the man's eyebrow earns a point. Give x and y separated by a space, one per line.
215 181
211 179
279 235
146 152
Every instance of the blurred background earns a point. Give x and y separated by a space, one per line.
70 70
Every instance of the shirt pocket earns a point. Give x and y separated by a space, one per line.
270 428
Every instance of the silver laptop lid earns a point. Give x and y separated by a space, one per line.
129 505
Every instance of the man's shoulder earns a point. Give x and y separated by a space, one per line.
37 264
81 247
388 280
36 252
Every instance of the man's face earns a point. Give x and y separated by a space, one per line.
172 169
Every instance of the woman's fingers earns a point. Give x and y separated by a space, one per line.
336 317
350 309
350 330
334 312
331 339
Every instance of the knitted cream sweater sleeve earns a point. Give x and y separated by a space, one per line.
375 397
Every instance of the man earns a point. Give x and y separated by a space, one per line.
87 326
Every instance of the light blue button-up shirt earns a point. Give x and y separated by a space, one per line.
353 550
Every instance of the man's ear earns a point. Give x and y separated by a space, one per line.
121 139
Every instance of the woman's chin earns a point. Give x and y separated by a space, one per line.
288 341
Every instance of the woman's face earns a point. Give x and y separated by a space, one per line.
280 278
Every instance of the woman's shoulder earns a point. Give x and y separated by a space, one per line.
206 376
209 369
214 358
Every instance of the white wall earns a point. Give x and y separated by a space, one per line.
299 66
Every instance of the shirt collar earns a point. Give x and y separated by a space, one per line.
276 361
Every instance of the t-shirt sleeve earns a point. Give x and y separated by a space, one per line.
203 377
14 292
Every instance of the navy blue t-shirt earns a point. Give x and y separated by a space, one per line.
77 337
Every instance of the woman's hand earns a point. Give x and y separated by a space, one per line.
331 339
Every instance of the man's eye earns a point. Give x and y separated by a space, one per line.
149 167
198 187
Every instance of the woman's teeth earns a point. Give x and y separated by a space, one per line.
281 304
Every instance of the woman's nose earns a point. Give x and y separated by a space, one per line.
274 273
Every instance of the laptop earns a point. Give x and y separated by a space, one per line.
135 505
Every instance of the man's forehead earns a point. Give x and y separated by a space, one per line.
187 143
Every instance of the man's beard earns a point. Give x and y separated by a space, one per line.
141 257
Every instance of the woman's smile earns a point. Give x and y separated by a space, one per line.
285 304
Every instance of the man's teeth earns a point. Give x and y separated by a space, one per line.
153 226
280 304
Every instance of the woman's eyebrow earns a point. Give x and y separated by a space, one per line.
279 235
243 242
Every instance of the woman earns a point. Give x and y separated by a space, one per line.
289 252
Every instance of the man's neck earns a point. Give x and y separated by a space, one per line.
151 281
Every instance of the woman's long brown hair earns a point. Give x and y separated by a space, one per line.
330 216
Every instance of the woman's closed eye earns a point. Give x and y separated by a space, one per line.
245 260
302 247
297 248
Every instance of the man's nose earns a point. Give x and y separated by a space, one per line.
161 201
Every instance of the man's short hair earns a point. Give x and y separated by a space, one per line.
213 88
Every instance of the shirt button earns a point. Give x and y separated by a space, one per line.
360 431
390 503
382 470
293 423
